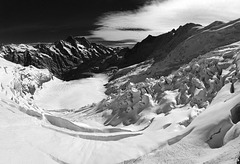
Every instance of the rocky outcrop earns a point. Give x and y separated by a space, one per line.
159 46
68 59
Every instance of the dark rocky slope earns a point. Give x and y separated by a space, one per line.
189 40
158 47
68 59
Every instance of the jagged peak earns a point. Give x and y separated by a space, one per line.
71 40
180 29
186 27
149 38
83 41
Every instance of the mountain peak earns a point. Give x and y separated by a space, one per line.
83 41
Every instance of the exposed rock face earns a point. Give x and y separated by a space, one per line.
68 59
159 46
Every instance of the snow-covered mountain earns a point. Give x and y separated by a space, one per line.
178 103
68 59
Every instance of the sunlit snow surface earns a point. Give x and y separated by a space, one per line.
57 94
51 127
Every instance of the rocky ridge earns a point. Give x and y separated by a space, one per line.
68 59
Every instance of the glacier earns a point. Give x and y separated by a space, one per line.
191 115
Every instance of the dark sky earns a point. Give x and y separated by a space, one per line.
28 21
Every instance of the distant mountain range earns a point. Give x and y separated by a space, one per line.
72 58
76 57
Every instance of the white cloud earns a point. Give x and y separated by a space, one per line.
161 17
